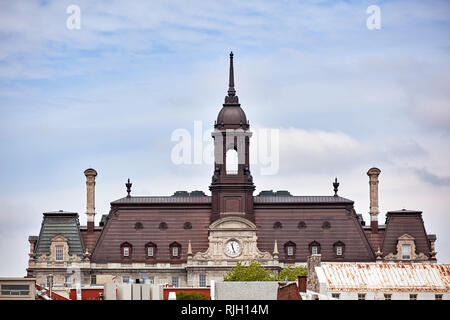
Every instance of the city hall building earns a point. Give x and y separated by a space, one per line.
190 238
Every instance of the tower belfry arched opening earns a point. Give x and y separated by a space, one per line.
232 184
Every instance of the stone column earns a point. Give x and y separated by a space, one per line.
90 198
373 174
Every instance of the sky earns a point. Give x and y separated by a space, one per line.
109 95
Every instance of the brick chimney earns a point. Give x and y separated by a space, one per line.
373 174
90 196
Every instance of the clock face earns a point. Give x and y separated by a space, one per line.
233 247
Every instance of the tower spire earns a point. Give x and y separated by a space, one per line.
231 90
231 98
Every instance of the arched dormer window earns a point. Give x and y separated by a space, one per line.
231 162
314 247
289 249
339 248
150 250
175 250
126 249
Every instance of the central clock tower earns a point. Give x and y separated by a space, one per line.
232 184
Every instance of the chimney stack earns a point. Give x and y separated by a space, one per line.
373 174
90 194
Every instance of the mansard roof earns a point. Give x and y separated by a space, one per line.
60 223
207 200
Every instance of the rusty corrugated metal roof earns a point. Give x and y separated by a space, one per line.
420 277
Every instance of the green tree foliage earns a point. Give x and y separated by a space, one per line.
191 295
292 273
255 272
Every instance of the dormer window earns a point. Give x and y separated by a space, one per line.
339 248
150 250
289 248
406 252
126 249
59 253
314 247
175 250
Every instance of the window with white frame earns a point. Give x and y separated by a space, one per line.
126 251
59 253
339 251
406 252
67 281
314 250
175 251
202 280
290 251
175 281
150 251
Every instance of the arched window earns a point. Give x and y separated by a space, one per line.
289 249
175 250
231 162
150 250
314 247
126 249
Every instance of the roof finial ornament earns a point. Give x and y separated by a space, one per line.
231 98
336 186
128 185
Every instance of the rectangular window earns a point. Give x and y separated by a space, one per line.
315 250
202 280
361 296
15 290
126 252
150 251
339 251
438 297
125 279
413 297
406 251
175 251
93 279
67 281
387 296
336 295
175 281
151 280
290 251
59 253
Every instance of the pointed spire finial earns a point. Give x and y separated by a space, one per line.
231 98
128 185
